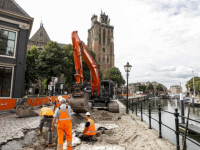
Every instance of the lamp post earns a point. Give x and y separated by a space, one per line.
127 68
52 79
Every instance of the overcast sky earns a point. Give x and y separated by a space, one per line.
159 38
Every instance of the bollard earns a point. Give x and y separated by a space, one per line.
176 114
182 109
160 122
149 115
136 108
141 112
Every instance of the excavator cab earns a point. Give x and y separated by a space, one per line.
106 90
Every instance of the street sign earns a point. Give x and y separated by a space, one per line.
61 86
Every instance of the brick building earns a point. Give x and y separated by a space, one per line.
100 40
15 28
176 89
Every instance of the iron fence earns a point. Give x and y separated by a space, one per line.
139 107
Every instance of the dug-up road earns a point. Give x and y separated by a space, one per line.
125 132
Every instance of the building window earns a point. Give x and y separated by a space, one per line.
41 33
99 35
103 59
99 59
108 37
5 81
108 60
7 42
104 50
104 34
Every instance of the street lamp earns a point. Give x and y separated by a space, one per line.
52 79
127 68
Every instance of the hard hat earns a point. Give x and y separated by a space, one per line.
60 97
62 100
87 114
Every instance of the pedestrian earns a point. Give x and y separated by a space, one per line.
47 116
89 130
64 124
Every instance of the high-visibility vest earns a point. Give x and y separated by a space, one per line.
57 104
63 119
46 111
91 129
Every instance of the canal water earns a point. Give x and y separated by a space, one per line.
169 119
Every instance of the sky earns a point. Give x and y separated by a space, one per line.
159 38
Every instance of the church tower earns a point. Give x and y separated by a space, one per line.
40 38
100 40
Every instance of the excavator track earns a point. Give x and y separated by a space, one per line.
80 104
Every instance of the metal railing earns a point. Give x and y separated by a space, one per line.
139 107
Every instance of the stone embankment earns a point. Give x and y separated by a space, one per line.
125 132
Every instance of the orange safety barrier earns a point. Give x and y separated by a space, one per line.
65 96
54 98
37 102
29 101
46 100
6 104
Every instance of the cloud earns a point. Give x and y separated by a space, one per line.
166 68
159 38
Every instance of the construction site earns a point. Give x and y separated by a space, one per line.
117 131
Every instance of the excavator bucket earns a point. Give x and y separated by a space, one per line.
79 104
25 111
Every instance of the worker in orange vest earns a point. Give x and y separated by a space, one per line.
47 116
57 103
89 130
64 124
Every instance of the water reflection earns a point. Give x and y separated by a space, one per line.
169 119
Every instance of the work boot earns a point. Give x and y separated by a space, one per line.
40 131
52 145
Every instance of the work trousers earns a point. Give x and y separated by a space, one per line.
49 122
67 129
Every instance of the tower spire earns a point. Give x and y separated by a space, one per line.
41 24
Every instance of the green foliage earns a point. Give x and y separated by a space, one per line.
197 86
159 87
114 74
31 71
150 86
45 84
53 61
142 88
190 83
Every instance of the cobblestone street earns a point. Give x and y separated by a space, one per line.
12 127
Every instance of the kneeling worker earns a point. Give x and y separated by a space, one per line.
89 129
47 116
64 124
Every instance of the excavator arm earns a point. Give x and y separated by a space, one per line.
80 51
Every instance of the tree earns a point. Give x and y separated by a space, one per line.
68 77
159 87
53 61
142 88
31 70
190 83
114 74
150 86
197 86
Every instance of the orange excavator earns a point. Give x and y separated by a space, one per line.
101 95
